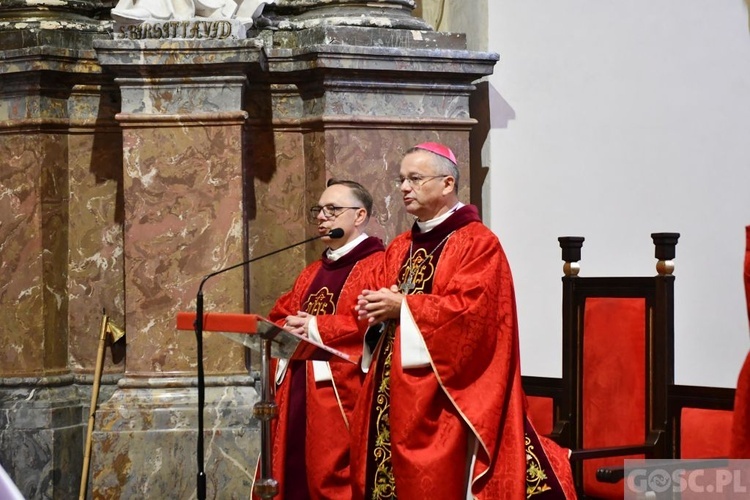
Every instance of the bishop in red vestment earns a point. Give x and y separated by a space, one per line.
442 411
310 438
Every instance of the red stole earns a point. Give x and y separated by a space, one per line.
419 265
323 293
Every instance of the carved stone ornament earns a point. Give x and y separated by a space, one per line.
185 19
127 12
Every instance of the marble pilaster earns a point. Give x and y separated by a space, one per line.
185 210
49 111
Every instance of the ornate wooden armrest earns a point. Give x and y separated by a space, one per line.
618 451
610 475
559 430
614 451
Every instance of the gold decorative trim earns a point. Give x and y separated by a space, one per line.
665 267
535 475
571 268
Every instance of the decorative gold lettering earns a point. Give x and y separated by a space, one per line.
224 29
320 303
183 32
217 30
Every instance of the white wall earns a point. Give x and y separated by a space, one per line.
611 120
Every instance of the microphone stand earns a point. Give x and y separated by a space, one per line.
265 367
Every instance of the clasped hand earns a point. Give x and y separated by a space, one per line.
298 323
379 305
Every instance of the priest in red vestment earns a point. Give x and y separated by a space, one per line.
442 412
310 437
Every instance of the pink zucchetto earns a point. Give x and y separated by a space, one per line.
438 149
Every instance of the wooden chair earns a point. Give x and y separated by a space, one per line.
701 418
618 363
700 423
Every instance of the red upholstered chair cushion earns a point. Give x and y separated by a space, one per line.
541 412
704 433
614 386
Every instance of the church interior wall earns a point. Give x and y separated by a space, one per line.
612 121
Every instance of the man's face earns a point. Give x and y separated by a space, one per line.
425 196
337 201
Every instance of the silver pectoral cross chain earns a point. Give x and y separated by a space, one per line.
409 284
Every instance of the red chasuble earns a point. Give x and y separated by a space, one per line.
319 451
740 446
471 388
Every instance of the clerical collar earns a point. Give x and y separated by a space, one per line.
431 224
335 255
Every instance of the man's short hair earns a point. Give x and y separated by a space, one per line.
442 164
359 191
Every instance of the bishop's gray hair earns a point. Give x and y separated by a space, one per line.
442 165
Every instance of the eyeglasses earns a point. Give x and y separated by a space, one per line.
329 212
416 181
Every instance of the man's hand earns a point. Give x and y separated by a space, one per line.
379 305
298 323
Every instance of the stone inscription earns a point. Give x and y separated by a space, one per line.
189 29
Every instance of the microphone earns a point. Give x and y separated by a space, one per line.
335 233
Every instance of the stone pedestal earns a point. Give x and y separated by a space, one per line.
145 442
40 435
69 24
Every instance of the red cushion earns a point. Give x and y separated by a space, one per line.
614 387
704 433
541 413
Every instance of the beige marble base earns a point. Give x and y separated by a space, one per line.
145 444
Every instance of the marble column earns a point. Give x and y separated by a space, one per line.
185 211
